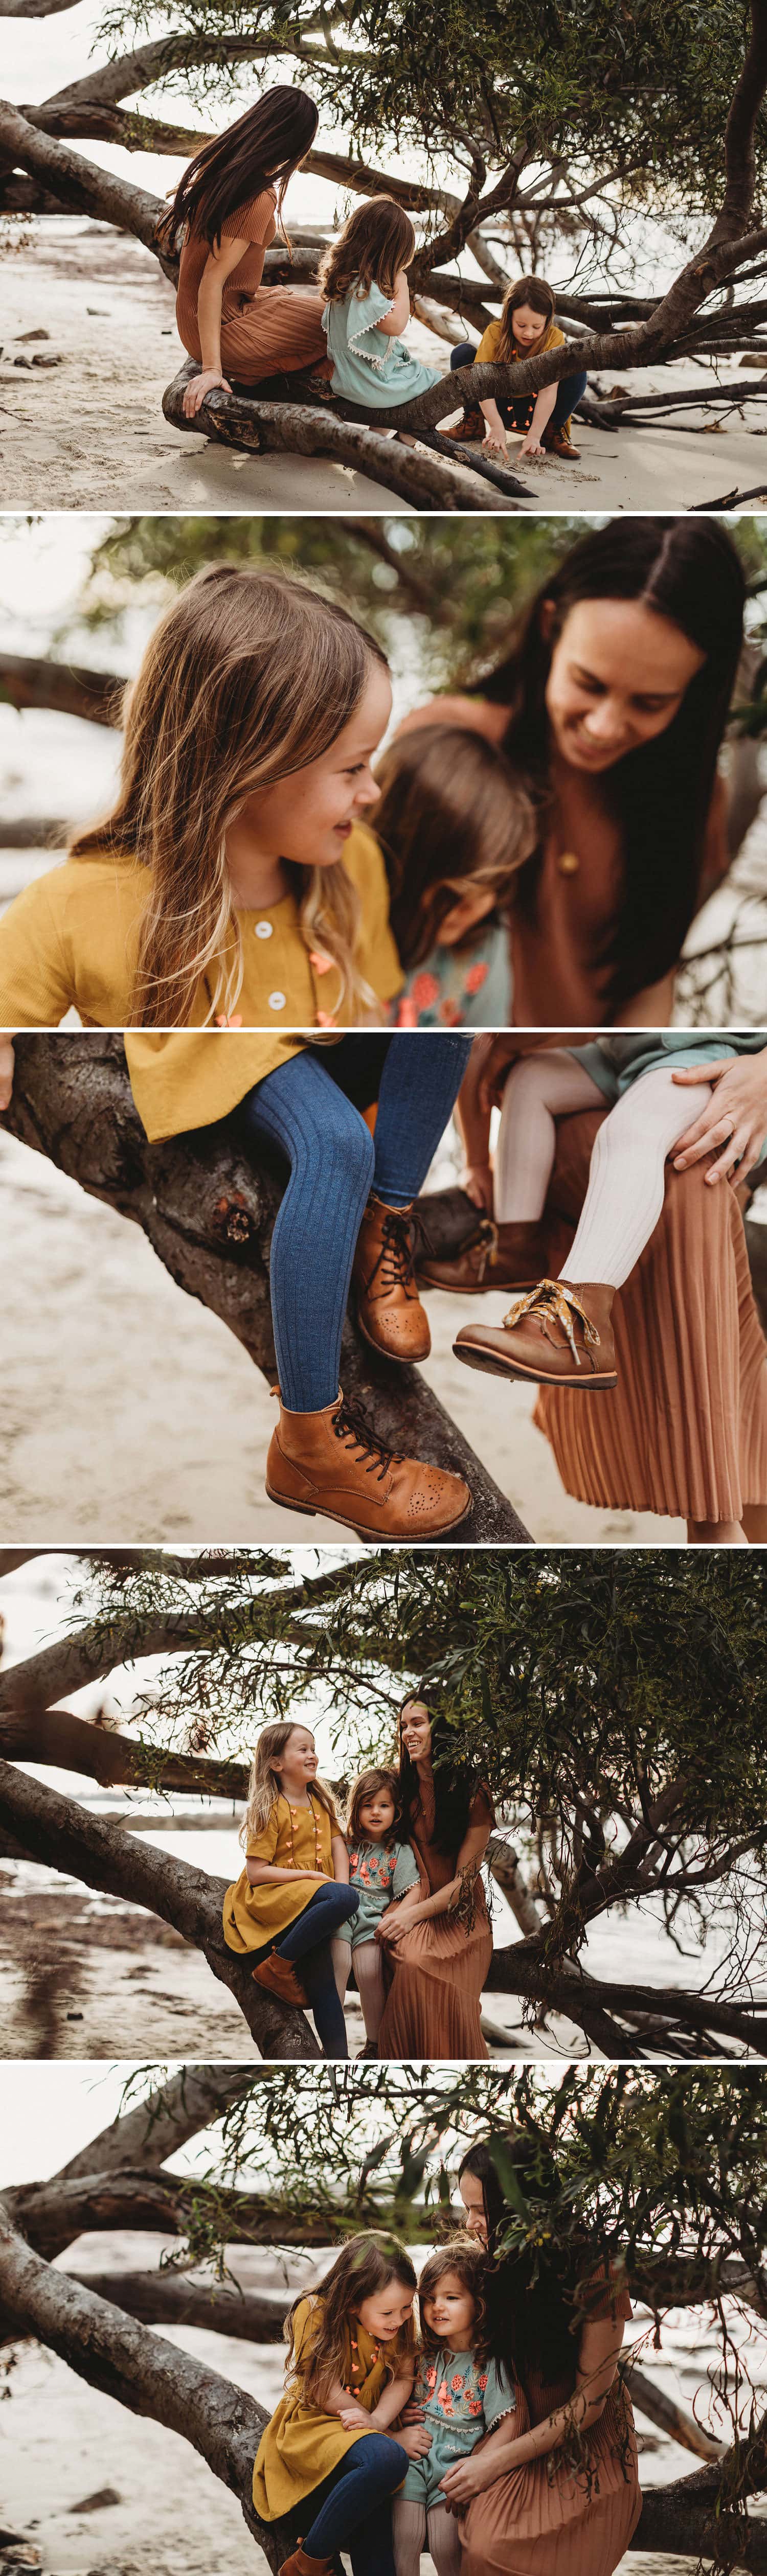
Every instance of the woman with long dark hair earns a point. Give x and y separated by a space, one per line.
438 1945
228 205
554 2488
611 704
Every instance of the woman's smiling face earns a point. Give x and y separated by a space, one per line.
415 1730
617 678
473 2199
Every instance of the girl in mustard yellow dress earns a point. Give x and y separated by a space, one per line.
293 1894
232 911
334 2454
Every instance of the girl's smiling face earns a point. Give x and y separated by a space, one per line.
298 1761
473 2199
309 816
377 1815
450 2312
617 677
415 1730
387 2311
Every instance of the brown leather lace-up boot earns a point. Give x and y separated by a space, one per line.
556 1335
389 1310
279 1977
332 1462
299 2565
499 1256
557 442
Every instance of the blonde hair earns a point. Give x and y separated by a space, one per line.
265 1786
376 242
249 676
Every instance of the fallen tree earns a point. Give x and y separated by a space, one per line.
639 2158
544 143
617 1715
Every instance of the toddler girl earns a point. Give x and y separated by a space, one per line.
364 280
293 1894
456 2396
382 1866
236 839
329 2455
559 1332
525 327
454 828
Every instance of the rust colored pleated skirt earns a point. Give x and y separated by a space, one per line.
433 2007
543 2521
685 1430
277 330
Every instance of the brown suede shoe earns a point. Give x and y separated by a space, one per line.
331 1462
500 1256
470 426
299 2565
551 1335
558 442
279 1977
389 1310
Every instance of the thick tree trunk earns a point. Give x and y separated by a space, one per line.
154 2129
208 1215
54 1736
247 420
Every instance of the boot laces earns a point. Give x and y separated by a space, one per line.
396 1259
351 1425
554 1302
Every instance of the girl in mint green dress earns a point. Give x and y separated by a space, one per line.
383 1868
457 2393
367 307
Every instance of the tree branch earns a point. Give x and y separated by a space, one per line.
27 681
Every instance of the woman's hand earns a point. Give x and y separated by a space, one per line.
6 1071
467 2479
477 1181
196 392
415 2439
734 1123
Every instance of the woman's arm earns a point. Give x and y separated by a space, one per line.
219 265
396 320
262 1873
598 2357
651 1009
6 1070
424 1908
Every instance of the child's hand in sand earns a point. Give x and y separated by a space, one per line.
202 385
531 446
496 440
733 1125
6 1072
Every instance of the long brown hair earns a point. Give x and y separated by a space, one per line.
375 244
249 676
536 292
366 1787
464 2256
265 1786
260 151
368 2263
452 817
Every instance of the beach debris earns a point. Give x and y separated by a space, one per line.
98 2502
32 335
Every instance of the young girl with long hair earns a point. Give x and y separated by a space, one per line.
439 1946
611 705
554 2490
363 278
334 2452
293 1894
457 2394
236 838
454 830
226 210
525 327
382 1868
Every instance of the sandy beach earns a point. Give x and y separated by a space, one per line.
89 434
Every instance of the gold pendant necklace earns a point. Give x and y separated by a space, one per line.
568 863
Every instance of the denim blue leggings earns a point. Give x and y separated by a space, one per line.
304 1108
354 2512
309 1939
518 415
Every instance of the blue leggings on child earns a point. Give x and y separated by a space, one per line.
354 2512
516 415
309 1939
304 1108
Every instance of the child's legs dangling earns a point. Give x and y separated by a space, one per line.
540 1089
355 2514
368 1970
627 1178
310 1941
444 2540
408 2522
330 1152
416 1100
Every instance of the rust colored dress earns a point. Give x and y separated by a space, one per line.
546 2518
438 1970
685 1430
264 329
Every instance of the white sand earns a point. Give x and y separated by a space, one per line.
89 434
131 1413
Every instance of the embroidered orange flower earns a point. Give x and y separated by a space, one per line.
477 976
234 1023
